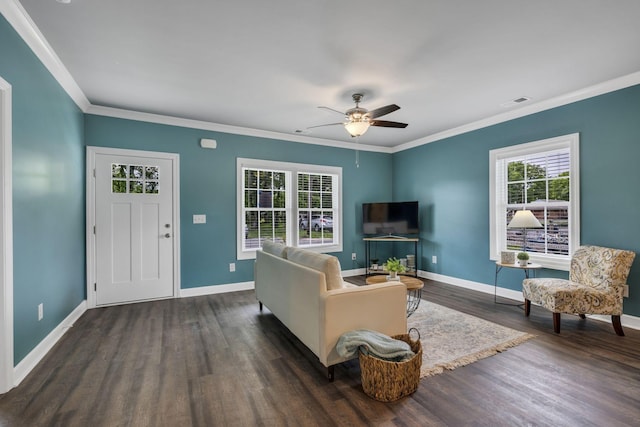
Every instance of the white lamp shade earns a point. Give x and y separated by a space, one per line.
524 219
357 128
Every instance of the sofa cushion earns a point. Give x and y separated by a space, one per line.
327 264
274 248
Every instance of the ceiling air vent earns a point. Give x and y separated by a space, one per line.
514 102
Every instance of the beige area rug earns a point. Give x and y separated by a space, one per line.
451 339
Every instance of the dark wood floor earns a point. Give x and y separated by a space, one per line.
216 361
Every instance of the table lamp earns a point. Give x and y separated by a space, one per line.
524 219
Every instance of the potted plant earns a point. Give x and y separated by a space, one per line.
394 266
374 263
523 259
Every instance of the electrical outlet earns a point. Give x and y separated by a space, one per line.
434 259
353 256
232 267
626 291
40 311
199 219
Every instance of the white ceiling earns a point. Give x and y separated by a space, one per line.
268 65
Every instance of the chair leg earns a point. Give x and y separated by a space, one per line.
617 326
556 323
582 316
527 307
260 302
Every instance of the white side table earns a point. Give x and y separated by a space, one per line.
530 267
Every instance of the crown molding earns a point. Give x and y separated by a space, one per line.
568 98
15 14
237 130
21 22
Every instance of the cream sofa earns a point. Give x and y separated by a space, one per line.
305 291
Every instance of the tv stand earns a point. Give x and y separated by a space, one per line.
393 239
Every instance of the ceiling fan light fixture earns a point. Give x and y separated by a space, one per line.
358 120
357 128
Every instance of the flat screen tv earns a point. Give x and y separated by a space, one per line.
390 218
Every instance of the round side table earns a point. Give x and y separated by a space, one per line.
414 289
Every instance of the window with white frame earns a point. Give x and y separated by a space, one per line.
297 204
543 177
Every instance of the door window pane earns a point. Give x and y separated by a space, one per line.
134 179
135 186
119 186
118 171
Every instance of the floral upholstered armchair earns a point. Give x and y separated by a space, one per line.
595 286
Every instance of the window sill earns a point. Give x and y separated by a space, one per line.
547 262
320 249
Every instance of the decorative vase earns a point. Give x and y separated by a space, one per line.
393 275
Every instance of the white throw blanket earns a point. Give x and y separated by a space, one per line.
374 344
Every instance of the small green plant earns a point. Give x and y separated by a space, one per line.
523 256
393 264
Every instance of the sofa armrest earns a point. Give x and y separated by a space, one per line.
292 293
381 307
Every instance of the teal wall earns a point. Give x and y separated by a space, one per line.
451 180
448 177
48 195
208 186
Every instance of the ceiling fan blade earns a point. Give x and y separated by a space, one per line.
379 112
387 124
331 109
328 124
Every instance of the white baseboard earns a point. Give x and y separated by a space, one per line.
216 289
34 357
627 320
475 286
242 286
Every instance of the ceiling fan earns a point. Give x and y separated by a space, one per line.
360 119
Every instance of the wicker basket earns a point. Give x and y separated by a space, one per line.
388 381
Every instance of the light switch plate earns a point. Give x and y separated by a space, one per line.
199 219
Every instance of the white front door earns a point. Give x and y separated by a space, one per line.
134 231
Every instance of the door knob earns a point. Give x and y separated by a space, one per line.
167 235
167 226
